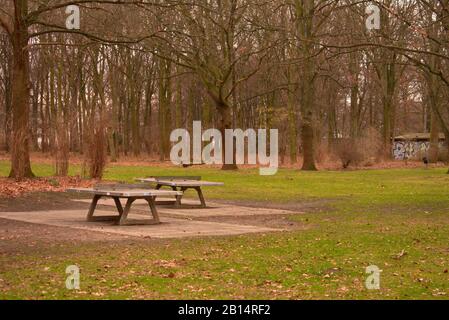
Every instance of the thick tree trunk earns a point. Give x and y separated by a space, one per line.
308 143
20 154
226 123
305 13
307 109
434 89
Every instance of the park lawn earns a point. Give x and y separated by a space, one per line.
395 219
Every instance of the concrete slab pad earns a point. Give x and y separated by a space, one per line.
170 227
142 202
213 209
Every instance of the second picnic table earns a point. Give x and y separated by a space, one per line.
182 184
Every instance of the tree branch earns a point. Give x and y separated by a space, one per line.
34 14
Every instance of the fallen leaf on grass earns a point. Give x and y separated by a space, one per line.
329 272
400 254
166 263
171 275
343 289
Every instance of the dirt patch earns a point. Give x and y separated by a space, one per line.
272 221
38 201
299 207
21 237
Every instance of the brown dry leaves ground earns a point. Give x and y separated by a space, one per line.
12 188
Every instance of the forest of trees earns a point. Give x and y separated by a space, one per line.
136 70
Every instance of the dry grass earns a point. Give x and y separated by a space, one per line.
326 163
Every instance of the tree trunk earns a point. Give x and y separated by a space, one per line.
8 107
292 135
113 128
386 132
61 139
434 91
332 126
20 154
307 107
165 93
148 118
434 138
226 123
354 67
389 86
305 13
308 143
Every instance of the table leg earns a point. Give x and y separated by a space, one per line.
178 197
151 202
93 205
125 212
131 222
200 195
118 204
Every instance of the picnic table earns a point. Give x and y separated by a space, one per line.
181 184
129 192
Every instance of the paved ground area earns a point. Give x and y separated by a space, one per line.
213 209
176 223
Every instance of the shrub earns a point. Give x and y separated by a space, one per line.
348 152
443 155
321 152
365 150
371 144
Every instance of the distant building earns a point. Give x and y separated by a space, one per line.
413 145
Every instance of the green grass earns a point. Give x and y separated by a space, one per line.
369 217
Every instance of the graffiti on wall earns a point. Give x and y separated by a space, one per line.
403 150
